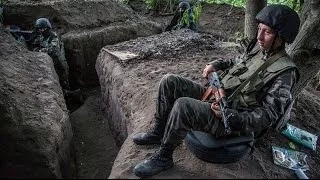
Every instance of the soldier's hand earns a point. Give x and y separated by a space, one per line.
216 109
207 70
220 93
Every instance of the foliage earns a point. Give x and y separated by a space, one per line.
151 3
242 3
197 9
194 17
238 3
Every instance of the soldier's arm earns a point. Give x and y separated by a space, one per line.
54 47
174 21
273 105
222 64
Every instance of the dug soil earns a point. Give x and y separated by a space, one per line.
95 150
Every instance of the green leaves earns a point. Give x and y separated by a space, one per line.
192 15
197 10
238 3
242 3
151 3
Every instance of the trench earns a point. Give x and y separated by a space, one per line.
96 142
94 145
94 118
94 149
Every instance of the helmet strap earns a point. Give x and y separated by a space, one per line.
272 49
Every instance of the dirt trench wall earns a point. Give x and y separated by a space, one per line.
108 73
35 131
85 26
66 15
128 77
82 48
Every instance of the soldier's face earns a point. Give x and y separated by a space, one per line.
265 37
41 30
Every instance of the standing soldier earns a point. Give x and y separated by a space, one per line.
49 42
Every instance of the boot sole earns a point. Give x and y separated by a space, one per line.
147 143
144 176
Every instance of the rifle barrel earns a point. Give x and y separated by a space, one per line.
20 31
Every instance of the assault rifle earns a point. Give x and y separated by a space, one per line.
17 33
215 84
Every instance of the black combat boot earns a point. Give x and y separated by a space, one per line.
161 160
147 138
152 137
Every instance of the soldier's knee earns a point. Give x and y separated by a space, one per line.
182 103
168 77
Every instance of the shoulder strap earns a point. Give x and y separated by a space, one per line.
267 63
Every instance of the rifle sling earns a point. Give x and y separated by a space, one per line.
267 63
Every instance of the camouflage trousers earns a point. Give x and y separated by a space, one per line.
180 109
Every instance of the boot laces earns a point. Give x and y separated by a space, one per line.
157 155
162 154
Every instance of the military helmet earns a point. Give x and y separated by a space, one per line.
43 23
282 19
184 5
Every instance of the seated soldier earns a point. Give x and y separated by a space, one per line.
256 108
183 18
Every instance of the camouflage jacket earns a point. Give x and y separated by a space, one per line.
274 98
52 45
183 20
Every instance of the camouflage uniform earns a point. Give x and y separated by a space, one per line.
178 22
182 98
53 46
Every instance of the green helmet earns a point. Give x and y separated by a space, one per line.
282 19
43 23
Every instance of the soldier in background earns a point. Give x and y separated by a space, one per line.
48 41
184 17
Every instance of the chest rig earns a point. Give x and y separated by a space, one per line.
244 80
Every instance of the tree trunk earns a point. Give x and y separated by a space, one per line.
253 7
305 11
305 50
